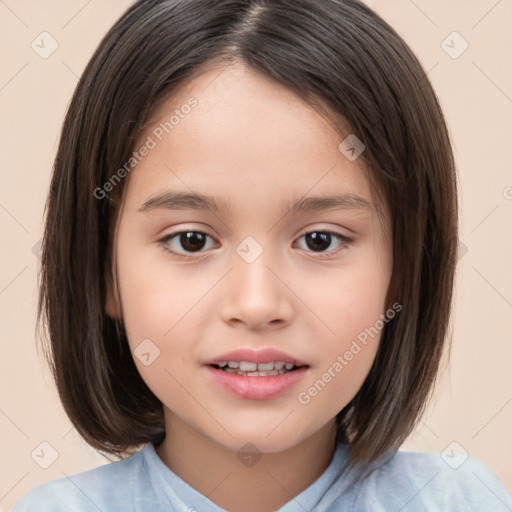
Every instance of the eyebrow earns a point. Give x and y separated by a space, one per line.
191 201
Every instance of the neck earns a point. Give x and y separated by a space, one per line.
245 483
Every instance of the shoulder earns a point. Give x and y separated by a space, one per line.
103 488
436 482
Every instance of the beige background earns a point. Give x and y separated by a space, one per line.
473 405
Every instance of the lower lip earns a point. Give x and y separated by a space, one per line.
256 388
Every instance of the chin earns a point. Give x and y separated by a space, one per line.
264 438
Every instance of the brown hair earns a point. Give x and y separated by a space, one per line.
348 63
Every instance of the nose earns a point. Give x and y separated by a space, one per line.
255 296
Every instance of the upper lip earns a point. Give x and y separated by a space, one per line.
265 355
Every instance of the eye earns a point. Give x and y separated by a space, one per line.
190 241
195 241
320 241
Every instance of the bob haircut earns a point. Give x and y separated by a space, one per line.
351 66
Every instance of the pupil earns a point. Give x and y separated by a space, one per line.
318 241
192 241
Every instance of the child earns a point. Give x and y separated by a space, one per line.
248 263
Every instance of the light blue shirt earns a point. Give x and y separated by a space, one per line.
399 481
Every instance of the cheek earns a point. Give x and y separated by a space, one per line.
350 300
162 313
158 306
156 296
346 360
352 306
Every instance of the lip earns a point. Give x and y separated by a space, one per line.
256 388
265 355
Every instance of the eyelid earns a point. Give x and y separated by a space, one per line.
332 231
187 229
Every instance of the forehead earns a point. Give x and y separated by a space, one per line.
246 135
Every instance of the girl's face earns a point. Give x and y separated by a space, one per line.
304 284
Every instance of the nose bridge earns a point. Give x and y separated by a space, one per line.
255 295
251 272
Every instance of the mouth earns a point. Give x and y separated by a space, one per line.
251 369
256 375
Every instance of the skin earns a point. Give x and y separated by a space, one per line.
256 145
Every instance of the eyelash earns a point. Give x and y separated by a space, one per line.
344 242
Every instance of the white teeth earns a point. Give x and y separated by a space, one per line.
252 367
258 373
248 367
